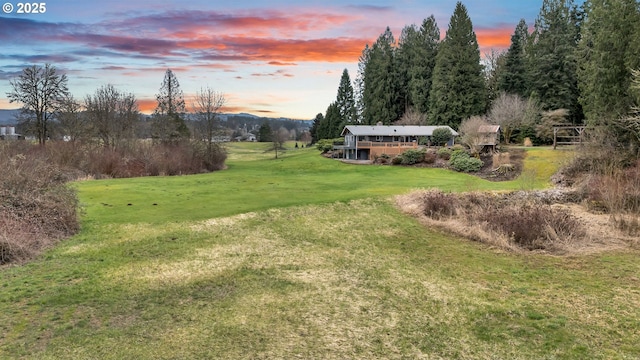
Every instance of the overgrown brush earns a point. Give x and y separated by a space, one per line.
37 208
617 193
524 222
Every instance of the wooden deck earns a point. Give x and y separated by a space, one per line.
382 145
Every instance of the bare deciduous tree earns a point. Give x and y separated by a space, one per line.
40 90
206 107
510 111
412 117
470 132
279 137
113 115
72 122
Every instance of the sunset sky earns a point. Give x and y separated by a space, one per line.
269 58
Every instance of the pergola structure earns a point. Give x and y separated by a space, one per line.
568 135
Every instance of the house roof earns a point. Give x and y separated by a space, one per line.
489 129
393 130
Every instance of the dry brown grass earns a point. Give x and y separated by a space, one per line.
517 222
502 158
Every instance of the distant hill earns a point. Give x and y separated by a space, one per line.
8 117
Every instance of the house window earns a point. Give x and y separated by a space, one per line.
379 138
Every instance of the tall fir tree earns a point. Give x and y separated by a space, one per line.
551 58
513 75
333 120
345 101
415 59
359 83
458 90
380 91
421 73
405 58
606 56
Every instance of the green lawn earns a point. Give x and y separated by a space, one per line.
255 180
305 257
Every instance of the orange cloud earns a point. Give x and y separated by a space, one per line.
279 63
284 50
204 24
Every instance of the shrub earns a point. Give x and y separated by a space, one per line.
397 160
429 157
444 153
326 145
441 136
462 162
411 156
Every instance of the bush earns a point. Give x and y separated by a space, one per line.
462 162
326 145
429 157
444 153
441 136
411 156
397 160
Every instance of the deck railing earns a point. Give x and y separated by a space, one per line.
373 144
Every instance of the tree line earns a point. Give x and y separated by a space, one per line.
109 114
576 66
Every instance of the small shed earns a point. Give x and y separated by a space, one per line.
490 135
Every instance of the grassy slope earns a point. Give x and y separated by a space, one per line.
348 279
257 181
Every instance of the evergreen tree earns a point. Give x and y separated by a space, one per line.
552 57
345 101
415 60
265 134
168 122
405 59
606 56
314 128
359 83
493 69
333 122
421 73
513 77
458 90
380 89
